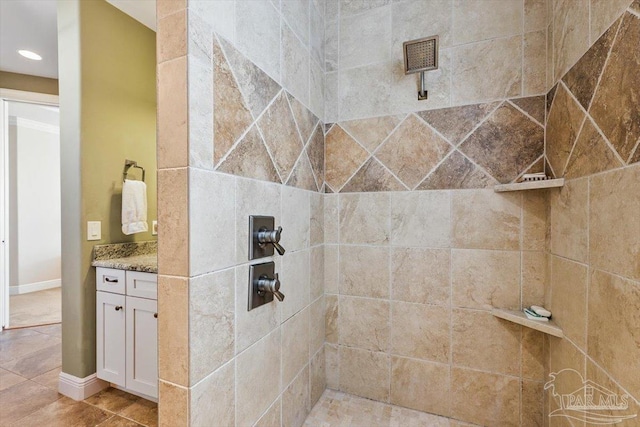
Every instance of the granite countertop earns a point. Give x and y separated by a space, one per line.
138 256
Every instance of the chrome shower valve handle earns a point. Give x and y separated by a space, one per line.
272 237
266 284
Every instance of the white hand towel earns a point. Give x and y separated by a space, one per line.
134 207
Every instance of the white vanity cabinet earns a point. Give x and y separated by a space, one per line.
127 330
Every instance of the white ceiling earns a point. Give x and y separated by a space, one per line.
32 25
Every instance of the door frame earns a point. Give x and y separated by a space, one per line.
7 95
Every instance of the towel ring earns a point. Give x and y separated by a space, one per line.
128 164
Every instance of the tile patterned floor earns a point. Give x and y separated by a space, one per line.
337 409
35 308
29 366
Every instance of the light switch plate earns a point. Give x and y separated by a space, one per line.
154 228
94 230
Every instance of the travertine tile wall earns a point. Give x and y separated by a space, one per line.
490 50
593 266
232 142
410 279
284 38
573 27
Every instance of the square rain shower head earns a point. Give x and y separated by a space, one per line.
420 55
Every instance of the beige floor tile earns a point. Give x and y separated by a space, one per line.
112 400
35 308
9 379
19 345
54 329
36 363
23 399
143 412
65 412
118 421
49 379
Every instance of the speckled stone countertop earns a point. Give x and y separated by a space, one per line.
138 256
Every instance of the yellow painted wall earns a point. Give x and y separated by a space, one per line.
28 83
108 114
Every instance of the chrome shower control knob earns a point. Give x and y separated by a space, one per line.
267 284
272 237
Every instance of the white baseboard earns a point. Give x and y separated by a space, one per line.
80 388
34 287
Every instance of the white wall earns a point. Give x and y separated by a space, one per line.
36 223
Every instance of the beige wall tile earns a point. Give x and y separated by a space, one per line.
364 323
483 219
212 227
374 78
533 355
295 345
173 330
421 275
172 36
603 14
317 376
485 279
421 219
331 217
599 376
568 219
364 373
475 21
535 213
332 362
174 410
420 331
472 348
364 218
204 408
532 410
294 67
258 35
316 275
331 269
295 400
166 7
317 332
564 355
332 324
470 84
534 71
424 386
296 221
255 324
294 277
614 327
535 15
211 322
257 387
254 198
571 33
364 271
273 416
365 38
172 142
173 235
614 233
534 267
317 218
569 298
485 399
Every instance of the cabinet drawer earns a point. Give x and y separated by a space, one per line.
143 285
110 280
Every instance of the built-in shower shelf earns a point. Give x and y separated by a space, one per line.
530 185
521 319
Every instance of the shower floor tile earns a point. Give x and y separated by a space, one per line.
344 410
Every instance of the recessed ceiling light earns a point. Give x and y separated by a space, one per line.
30 55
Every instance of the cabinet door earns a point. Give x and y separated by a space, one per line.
142 346
144 285
110 337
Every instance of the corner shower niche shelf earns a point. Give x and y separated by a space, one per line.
530 185
520 318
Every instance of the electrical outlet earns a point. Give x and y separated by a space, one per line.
154 228
94 230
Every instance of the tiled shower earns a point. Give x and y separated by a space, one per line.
397 246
